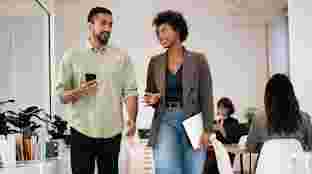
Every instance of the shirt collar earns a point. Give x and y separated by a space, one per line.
96 50
186 52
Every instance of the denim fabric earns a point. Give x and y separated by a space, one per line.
173 154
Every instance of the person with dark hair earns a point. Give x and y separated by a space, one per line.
227 132
281 118
226 127
93 82
178 86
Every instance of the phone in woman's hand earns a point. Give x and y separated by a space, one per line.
151 98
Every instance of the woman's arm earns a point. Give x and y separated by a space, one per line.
150 81
206 93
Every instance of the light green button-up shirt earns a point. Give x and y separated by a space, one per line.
97 116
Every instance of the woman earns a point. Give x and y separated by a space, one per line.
284 118
227 132
178 86
226 126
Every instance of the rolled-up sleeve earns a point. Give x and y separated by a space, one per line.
150 82
64 76
206 93
129 87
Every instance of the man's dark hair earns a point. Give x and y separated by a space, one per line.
175 20
97 10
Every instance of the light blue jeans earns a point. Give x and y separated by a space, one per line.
173 154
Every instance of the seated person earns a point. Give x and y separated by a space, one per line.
226 126
281 117
227 131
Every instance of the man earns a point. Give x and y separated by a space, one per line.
95 105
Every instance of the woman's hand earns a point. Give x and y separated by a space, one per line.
204 140
151 99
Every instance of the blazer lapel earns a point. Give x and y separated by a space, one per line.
162 74
187 74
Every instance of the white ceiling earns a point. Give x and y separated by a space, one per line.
257 7
215 7
20 8
243 12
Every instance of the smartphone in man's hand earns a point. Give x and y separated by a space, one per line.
90 77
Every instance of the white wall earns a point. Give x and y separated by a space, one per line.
57 107
279 52
236 52
24 58
5 64
235 46
21 8
300 15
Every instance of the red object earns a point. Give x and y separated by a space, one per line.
211 153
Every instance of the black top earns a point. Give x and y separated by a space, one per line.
174 89
232 131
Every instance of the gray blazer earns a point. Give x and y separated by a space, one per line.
197 88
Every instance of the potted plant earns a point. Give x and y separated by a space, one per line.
250 114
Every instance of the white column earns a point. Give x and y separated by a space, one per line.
300 16
279 45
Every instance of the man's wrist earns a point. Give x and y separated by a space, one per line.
132 120
75 95
78 92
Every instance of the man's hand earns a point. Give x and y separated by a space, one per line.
85 89
131 127
88 88
132 108
71 96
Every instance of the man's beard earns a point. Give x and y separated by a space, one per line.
104 37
